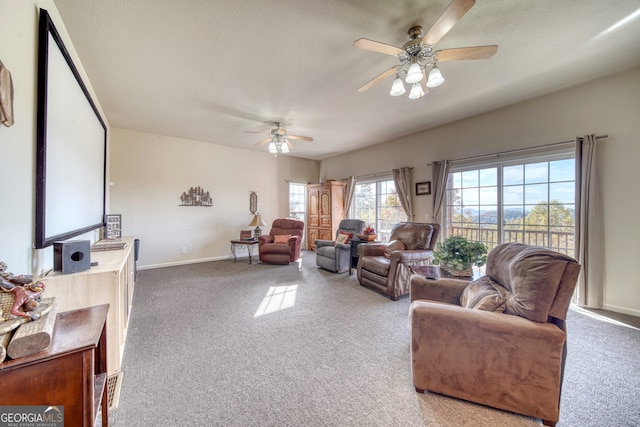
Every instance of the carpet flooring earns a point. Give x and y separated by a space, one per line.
232 344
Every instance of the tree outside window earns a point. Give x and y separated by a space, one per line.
377 203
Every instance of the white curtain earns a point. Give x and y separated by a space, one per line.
348 194
402 179
440 174
589 236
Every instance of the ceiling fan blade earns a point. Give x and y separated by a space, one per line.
250 131
377 47
264 141
286 141
302 138
377 79
447 20
464 53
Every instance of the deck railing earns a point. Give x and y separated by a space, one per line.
559 241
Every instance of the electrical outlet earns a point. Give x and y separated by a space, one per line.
183 250
427 215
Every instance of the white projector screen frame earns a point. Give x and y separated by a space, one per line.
71 146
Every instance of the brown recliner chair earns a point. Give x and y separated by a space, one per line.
282 244
385 267
499 340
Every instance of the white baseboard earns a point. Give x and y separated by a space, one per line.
191 261
622 310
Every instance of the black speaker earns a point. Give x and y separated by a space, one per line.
71 256
136 254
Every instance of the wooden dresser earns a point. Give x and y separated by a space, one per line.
325 210
71 373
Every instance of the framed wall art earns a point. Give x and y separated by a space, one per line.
423 188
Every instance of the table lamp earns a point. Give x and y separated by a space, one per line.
257 221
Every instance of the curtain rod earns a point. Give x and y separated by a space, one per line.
498 154
373 175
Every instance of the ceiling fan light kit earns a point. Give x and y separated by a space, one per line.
279 139
417 55
435 77
416 91
414 73
397 88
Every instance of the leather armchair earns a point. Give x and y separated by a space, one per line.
334 256
501 339
273 251
385 267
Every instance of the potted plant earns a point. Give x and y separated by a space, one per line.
457 255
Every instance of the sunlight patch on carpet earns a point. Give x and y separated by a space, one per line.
277 298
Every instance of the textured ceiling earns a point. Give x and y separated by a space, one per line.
210 69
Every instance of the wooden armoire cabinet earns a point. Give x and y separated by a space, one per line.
325 210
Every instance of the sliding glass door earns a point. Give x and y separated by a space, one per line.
530 201
377 203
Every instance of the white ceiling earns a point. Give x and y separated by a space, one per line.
210 69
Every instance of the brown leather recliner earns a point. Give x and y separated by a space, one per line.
499 340
385 267
282 244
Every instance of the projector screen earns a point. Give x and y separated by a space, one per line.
71 146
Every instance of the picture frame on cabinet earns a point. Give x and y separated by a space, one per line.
112 226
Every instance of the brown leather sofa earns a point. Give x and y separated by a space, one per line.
273 251
385 267
499 340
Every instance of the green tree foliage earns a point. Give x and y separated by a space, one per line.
365 202
557 216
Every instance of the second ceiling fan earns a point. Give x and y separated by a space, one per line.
279 139
417 55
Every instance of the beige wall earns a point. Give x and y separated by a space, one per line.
18 52
607 106
150 172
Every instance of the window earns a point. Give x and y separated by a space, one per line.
529 201
297 197
377 203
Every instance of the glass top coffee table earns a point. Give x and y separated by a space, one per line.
434 272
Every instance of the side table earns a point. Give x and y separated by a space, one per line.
249 244
70 374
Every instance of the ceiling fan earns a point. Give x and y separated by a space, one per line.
279 139
417 55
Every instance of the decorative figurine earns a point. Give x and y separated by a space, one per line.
24 292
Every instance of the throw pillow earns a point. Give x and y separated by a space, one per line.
484 294
282 238
344 237
394 245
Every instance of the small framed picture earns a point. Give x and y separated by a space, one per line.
423 188
113 227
